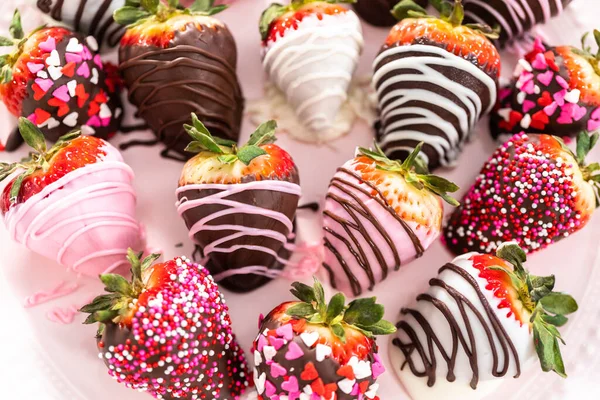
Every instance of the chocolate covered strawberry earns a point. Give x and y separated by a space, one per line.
379 12
435 78
176 61
313 349
555 90
514 18
379 215
93 18
239 204
533 190
55 78
73 203
310 51
167 331
482 321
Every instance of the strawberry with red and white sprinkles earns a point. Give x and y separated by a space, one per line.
313 350
55 78
533 190
168 332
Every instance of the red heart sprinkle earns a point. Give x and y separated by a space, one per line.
545 99
41 116
38 93
68 69
346 371
539 120
318 387
310 372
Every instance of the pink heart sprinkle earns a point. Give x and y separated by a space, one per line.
62 93
32 117
539 44
578 112
34 68
98 61
564 118
377 369
294 352
539 62
276 342
559 97
561 81
315 396
72 57
285 331
94 121
528 87
106 121
291 385
262 342
528 105
44 84
355 390
546 77
504 93
261 318
86 53
277 370
48 45
551 109
593 124
596 113
270 389
83 70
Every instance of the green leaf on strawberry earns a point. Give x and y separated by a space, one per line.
548 308
227 150
137 11
414 170
364 315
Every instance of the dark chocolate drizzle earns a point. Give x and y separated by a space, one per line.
195 74
355 209
426 351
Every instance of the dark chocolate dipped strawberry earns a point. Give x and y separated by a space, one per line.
152 341
481 322
93 18
55 78
555 90
379 12
239 205
176 61
533 190
514 18
435 78
311 349
380 215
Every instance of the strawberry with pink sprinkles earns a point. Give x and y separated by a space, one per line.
168 332
533 190
555 90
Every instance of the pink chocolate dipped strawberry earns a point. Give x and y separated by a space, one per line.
481 322
55 78
168 332
314 350
379 215
533 190
555 90
73 203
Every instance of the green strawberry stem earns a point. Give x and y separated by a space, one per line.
227 150
115 305
586 51
276 10
450 11
364 315
38 159
414 170
137 11
590 172
548 308
17 39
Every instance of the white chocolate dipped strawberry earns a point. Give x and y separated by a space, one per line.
379 215
482 320
311 50
73 203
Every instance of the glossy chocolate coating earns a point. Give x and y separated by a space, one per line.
378 12
194 73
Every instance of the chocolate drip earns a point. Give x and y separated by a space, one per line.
196 74
356 209
494 331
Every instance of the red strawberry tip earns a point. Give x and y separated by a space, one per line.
415 171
